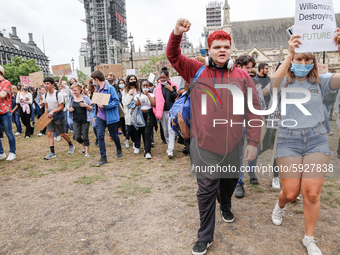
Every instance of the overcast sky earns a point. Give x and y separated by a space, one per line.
60 21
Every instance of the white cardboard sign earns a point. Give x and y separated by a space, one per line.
315 23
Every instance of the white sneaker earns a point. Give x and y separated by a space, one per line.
277 214
126 143
87 155
170 154
276 183
17 133
2 156
55 139
148 156
58 138
41 134
309 243
330 133
11 156
26 137
136 151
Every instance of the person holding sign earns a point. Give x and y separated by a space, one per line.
107 115
302 141
80 113
54 105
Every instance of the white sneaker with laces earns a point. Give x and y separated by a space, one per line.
17 133
277 214
170 154
148 156
11 156
309 243
126 143
330 133
276 183
3 156
136 151
41 134
26 137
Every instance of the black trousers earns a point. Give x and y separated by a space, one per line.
81 132
146 131
214 186
26 120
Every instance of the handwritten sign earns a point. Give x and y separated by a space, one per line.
37 79
100 98
116 69
25 80
59 70
323 68
43 121
73 74
315 23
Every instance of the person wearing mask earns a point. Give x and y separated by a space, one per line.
65 91
19 86
111 79
106 116
130 91
80 113
73 81
15 111
146 100
24 100
121 85
54 106
302 140
165 95
6 117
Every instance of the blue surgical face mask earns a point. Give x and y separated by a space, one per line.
163 83
121 86
145 89
301 70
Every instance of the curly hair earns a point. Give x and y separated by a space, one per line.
218 35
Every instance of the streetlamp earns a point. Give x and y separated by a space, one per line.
72 61
131 42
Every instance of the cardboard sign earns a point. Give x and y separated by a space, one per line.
100 98
116 69
315 23
43 121
323 68
73 74
59 70
25 80
37 79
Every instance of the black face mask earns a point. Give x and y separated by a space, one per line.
133 83
25 89
110 81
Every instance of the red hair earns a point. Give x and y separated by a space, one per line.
218 35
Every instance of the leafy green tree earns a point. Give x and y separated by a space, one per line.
19 67
81 76
151 66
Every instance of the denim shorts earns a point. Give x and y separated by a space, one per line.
301 142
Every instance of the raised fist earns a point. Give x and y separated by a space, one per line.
182 26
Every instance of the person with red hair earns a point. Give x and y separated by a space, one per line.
215 146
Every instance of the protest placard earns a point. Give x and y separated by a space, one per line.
116 69
25 80
59 70
37 79
73 74
323 68
100 98
43 121
130 72
315 23
151 77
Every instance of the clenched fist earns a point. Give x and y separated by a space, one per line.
182 26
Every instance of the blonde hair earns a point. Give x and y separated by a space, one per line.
15 90
78 86
313 76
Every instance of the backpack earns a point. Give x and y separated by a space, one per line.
180 111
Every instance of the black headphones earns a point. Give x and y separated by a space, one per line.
229 65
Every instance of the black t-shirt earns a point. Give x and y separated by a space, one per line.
79 114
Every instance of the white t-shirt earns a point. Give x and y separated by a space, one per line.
51 100
146 104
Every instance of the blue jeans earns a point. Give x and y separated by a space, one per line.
68 122
6 123
250 164
17 123
113 130
326 108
